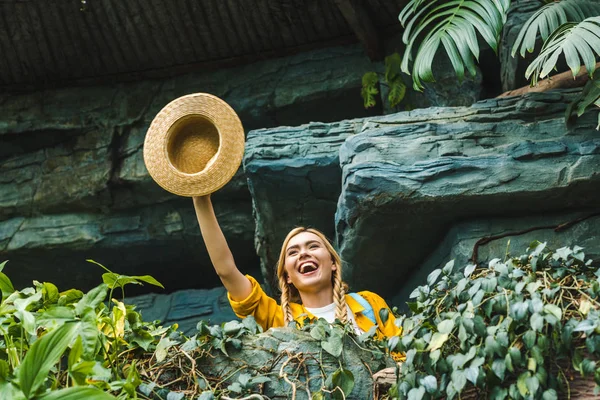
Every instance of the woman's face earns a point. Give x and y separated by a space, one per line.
308 263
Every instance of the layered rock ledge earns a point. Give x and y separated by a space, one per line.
409 177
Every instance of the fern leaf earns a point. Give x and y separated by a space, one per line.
579 42
548 18
452 24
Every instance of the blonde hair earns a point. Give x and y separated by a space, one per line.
290 293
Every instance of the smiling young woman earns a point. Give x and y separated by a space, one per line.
310 278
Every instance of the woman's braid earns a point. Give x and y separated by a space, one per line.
285 301
339 298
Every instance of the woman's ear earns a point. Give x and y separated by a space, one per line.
333 266
288 279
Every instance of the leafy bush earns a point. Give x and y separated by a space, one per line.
524 327
71 345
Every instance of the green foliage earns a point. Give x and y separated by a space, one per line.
566 27
45 331
578 41
549 18
370 80
587 99
392 79
490 329
452 24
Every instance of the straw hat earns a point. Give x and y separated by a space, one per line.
194 145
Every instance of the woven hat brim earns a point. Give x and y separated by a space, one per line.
224 164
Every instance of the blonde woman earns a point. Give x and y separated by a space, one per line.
310 278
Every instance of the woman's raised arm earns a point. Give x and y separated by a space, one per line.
236 283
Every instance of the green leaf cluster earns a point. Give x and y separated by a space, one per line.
69 345
489 330
392 79
454 25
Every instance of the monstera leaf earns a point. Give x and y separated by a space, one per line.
548 18
454 25
579 42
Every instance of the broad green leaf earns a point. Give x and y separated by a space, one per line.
550 394
91 299
459 380
469 270
529 339
75 353
384 315
333 345
537 322
344 380
416 393
433 277
42 356
162 348
148 279
231 328
4 370
6 285
499 368
77 393
532 384
522 384
554 310
445 326
318 332
9 390
429 383
437 341
2 265
55 316
88 332
69 296
448 268
370 80
208 395
472 373
50 293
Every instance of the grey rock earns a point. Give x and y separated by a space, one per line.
293 176
73 184
185 308
512 69
409 177
161 240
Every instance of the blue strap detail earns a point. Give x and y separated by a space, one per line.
368 308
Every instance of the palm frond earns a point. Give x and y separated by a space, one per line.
580 43
549 17
453 24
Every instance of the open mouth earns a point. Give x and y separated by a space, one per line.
307 268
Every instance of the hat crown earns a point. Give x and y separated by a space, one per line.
192 142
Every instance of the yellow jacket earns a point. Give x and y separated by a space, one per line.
269 314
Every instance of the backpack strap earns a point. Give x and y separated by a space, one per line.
368 308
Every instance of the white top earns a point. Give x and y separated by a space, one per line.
328 313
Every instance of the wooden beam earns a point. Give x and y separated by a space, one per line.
357 17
